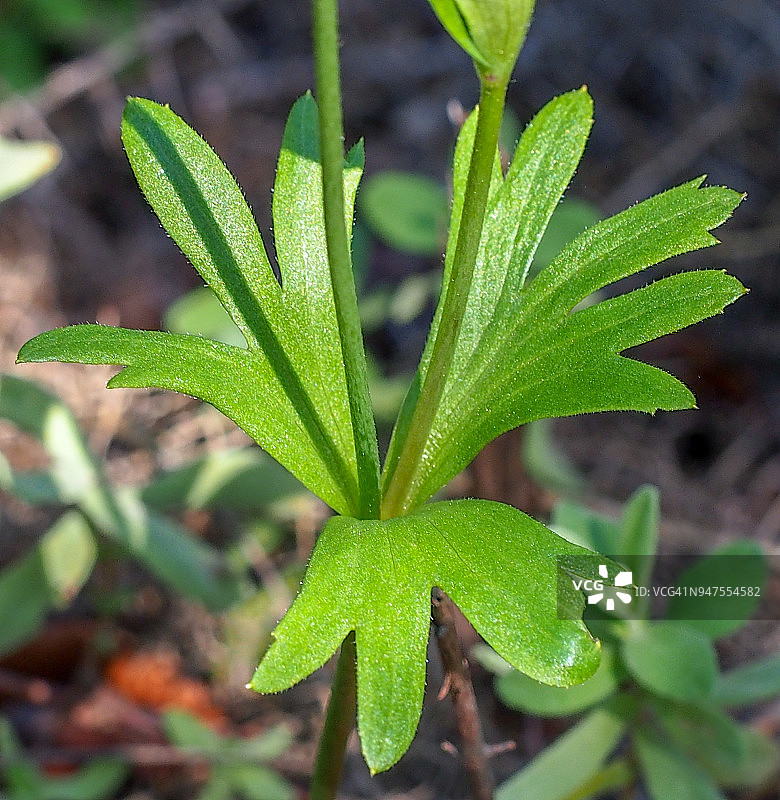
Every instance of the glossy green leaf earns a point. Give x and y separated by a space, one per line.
750 683
739 564
525 694
569 761
671 659
287 388
407 211
498 565
524 352
23 163
668 774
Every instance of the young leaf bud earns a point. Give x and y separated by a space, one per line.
492 32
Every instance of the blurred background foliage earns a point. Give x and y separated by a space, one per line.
146 550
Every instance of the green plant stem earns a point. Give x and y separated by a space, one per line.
399 496
339 722
326 56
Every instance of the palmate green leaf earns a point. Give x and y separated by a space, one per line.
287 388
525 351
498 565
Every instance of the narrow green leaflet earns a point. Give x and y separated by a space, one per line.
526 351
287 388
498 565
569 762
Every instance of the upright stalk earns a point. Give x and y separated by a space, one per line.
399 495
327 72
339 721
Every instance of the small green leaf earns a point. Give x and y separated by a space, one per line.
408 211
569 761
287 388
671 659
46 579
748 684
585 527
256 782
23 163
639 537
733 755
498 565
67 553
96 780
525 351
525 694
739 564
670 775
185 730
706 735
24 602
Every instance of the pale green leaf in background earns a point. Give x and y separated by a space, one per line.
569 761
23 163
671 659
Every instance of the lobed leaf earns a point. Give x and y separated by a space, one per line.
287 388
525 350
375 577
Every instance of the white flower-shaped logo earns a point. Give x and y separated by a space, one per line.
625 578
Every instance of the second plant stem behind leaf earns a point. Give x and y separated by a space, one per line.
399 492
325 29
